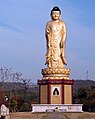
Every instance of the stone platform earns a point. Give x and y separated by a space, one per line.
57 107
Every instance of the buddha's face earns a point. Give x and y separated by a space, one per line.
55 15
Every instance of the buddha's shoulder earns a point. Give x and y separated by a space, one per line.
62 22
49 22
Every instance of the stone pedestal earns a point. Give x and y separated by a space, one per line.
57 107
55 86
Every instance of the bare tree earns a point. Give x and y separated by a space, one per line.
16 76
5 74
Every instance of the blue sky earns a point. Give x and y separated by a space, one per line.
22 36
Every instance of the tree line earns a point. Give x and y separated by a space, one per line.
86 97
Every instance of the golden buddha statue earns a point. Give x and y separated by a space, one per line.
55 40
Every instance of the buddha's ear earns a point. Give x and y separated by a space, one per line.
51 15
60 16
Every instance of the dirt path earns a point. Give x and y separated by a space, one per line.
55 115
52 115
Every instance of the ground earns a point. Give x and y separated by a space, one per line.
29 115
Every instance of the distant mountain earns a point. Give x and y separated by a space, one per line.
32 88
83 84
8 86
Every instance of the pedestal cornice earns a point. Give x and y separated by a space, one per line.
53 81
